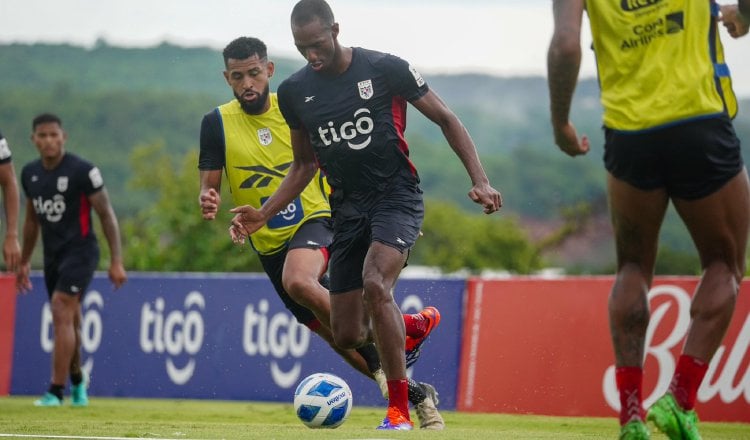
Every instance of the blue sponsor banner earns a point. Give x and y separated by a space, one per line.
216 336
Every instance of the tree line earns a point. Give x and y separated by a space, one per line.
136 114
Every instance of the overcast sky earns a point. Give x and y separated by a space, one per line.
503 37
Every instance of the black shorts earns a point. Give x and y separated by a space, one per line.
690 160
392 217
71 271
313 234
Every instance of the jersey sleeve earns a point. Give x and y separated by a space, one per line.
284 95
4 150
212 145
403 79
92 180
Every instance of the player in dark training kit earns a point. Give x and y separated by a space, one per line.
11 249
61 189
347 114
249 134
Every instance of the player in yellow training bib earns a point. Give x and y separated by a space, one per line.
249 139
668 109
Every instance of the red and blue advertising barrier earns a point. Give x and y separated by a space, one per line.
518 345
215 337
542 346
7 322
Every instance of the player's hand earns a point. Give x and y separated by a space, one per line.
245 222
23 282
11 253
486 196
117 274
209 201
566 138
733 21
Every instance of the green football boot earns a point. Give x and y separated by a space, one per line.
672 420
634 430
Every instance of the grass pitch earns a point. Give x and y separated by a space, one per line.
115 418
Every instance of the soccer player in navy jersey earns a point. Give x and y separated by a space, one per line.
61 188
247 137
11 248
346 110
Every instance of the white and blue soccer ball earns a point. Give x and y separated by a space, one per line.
323 400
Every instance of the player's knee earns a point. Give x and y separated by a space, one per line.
298 287
348 338
376 289
63 311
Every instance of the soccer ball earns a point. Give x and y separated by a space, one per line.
322 400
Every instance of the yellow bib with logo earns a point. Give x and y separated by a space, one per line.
659 62
258 156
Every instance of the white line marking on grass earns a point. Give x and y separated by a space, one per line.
84 437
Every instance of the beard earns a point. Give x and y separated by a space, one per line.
255 107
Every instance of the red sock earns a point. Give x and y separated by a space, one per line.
398 395
416 325
687 378
629 382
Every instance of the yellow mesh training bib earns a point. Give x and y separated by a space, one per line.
659 61
258 156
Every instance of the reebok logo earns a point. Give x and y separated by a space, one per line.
262 176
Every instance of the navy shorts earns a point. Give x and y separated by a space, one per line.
313 234
392 217
71 271
690 160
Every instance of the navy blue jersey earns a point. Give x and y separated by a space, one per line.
4 150
356 120
60 199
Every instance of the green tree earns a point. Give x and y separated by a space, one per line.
454 239
170 234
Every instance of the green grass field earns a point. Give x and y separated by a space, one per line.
214 419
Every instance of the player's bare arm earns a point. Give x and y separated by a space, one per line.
247 219
11 248
736 23
563 65
30 234
210 195
460 141
100 202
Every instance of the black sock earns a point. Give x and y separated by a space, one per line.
370 353
76 378
416 393
57 390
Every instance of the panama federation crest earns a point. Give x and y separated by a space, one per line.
365 89
62 183
264 136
